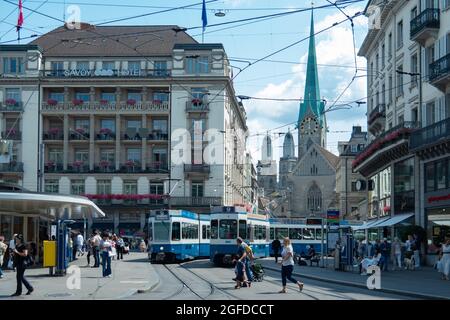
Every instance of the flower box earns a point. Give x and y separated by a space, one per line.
10 102
77 102
53 131
129 163
52 102
50 164
78 163
104 163
196 102
104 102
131 102
105 131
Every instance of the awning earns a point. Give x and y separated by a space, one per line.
395 220
371 224
54 206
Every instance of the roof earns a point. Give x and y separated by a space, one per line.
19 47
332 159
112 41
198 46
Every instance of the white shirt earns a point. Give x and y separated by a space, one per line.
96 240
105 245
287 261
80 240
12 244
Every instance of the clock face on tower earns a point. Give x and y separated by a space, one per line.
309 125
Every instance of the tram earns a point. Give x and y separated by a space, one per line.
230 222
177 235
300 233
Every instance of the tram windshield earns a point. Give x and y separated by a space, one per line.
243 229
295 233
281 233
228 229
176 231
309 234
161 231
214 227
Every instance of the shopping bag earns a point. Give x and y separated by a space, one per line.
112 252
10 264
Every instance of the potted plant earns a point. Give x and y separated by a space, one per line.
11 132
11 102
129 163
105 132
196 102
131 102
50 164
80 131
104 163
103 102
78 164
77 102
52 102
157 101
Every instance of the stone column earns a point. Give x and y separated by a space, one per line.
144 143
66 141
118 140
419 189
91 142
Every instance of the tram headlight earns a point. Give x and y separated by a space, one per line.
161 248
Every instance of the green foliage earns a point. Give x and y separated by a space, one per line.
403 232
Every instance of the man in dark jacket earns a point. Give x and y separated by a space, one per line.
276 245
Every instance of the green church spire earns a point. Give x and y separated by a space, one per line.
312 102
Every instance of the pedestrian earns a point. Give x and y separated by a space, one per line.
71 251
362 249
287 265
120 244
416 250
409 253
385 249
241 278
20 262
105 248
89 250
3 249
367 262
96 248
276 245
80 243
337 255
249 261
397 252
142 246
445 259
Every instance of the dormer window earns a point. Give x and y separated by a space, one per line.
82 65
13 65
197 64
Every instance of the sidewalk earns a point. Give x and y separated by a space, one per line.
423 284
129 276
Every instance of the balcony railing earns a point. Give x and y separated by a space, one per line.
195 201
11 106
194 106
77 168
79 135
111 73
430 135
12 135
440 68
98 106
130 136
157 167
104 168
11 167
377 112
106 136
128 168
53 135
155 135
197 168
54 168
429 18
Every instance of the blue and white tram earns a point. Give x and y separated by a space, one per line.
301 234
228 223
177 235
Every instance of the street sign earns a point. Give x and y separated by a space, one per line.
333 217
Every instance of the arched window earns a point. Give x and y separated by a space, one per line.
314 198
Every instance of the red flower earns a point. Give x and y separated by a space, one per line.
131 102
52 102
10 102
77 102
104 163
129 163
196 102
103 101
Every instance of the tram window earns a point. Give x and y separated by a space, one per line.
272 233
214 227
259 232
319 234
243 229
208 232
308 234
161 231
204 236
228 229
189 231
295 233
150 231
281 233
175 231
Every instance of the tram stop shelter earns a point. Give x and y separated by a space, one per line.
32 215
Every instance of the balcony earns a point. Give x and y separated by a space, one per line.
440 73
157 167
78 167
105 107
132 135
425 25
387 147
12 135
13 166
196 105
158 136
109 73
53 134
196 169
105 135
11 105
80 135
377 119
130 167
104 167
51 167
195 201
433 140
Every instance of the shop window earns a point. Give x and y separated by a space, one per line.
429 177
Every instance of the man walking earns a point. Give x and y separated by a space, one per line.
80 242
276 245
96 248
385 249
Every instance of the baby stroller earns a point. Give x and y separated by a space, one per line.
258 272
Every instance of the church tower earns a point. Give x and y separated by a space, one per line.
267 167
288 160
311 118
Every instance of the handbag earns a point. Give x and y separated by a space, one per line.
10 264
28 261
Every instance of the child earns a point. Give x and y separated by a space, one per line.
239 270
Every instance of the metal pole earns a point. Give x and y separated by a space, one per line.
322 249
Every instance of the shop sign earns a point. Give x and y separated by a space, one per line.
438 198
102 73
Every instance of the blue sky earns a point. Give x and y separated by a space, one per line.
265 79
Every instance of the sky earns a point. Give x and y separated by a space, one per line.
281 78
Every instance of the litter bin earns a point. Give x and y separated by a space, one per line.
49 255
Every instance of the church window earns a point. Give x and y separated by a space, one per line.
314 198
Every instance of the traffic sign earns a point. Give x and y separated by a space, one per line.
333 217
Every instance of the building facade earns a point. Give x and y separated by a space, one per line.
408 107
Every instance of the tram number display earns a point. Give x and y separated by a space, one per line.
313 221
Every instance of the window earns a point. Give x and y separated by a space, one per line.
295 233
314 198
77 187
82 124
160 125
84 96
259 232
13 65
108 124
134 95
281 233
399 34
404 186
441 174
51 186
383 93
400 81
197 64
197 189
13 93
206 232
227 229
103 186
134 154
377 64
243 229
372 73
429 58
82 65
429 177
134 124
82 155
414 64
390 45
309 234
430 113
108 65
55 155
108 96
447 104
383 55
58 96
390 83
130 187
108 155
214 229
161 231
414 115
57 68
134 66
159 156
413 13
401 119
189 230
176 231
354 187
160 68
156 188
161 96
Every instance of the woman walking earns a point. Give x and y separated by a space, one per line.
445 259
3 249
20 256
397 251
287 265
105 249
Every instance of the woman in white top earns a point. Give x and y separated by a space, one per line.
105 249
445 259
397 251
367 262
287 265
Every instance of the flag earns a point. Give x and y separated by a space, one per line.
20 18
204 17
